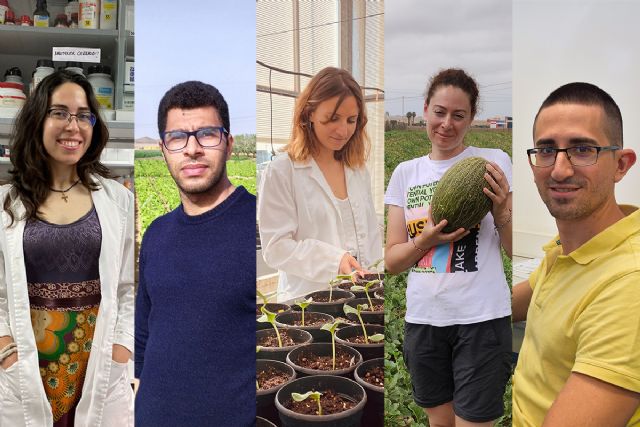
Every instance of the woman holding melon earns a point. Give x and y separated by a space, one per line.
457 328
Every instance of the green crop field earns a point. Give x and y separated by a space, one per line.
156 192
399 407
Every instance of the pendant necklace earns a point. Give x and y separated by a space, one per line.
64 196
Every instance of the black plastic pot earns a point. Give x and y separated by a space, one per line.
379 293
372 350
280 353
273 307
376 317
285 320
374 409
261 422
265 399
322 349
333 308
359 294
341 385
369 277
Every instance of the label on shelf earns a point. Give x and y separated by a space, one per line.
78 54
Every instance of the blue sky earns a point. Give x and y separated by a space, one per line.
211 41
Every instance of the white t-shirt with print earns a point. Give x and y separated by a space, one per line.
454 283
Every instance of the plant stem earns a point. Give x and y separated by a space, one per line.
333 348
364 330
278 335
366 292
302 316
319 407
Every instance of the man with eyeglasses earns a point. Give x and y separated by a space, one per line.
195 307
580 360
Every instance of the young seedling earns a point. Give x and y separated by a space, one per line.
348 309
304 304
263 297
374 267
270 317
332 327
315 395
365 288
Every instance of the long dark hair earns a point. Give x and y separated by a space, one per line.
31 174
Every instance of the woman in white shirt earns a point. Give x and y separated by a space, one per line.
315 209
457 342
66 275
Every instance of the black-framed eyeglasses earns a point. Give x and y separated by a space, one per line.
581 155
85 119
209 137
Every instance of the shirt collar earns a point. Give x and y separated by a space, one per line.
604 242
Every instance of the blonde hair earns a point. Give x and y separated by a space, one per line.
328 83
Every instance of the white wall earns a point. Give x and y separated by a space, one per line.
557 42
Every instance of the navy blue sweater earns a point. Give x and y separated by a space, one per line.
195 317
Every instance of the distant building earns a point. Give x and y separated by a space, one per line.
499 122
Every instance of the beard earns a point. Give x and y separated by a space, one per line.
576 208
203 187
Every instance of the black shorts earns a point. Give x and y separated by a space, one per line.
468 365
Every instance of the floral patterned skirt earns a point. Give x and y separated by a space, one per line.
64 341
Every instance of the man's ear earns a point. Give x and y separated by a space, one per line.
229 146
162 151
626 159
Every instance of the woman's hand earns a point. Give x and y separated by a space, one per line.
348 264
9 361
499 193
120 354
432 235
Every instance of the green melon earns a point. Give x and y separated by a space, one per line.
458 197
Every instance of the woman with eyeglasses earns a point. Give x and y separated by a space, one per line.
315 208
66 276
457 342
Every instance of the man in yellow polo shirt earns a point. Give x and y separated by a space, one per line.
580 360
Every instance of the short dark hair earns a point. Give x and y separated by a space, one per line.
588 94
190 95
30 172
455 77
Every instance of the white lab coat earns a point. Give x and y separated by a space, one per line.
107 398
301 226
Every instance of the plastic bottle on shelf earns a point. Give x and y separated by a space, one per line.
100 79
72 7
88 14
41 14
61 21
11 95
108 14
10 18
44 67
74 67
74 20
14 75
4 10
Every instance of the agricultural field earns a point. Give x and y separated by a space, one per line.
156 193
399 407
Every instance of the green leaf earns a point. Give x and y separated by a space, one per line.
376 337
358 288
300 397
304 303
331 327
348 309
